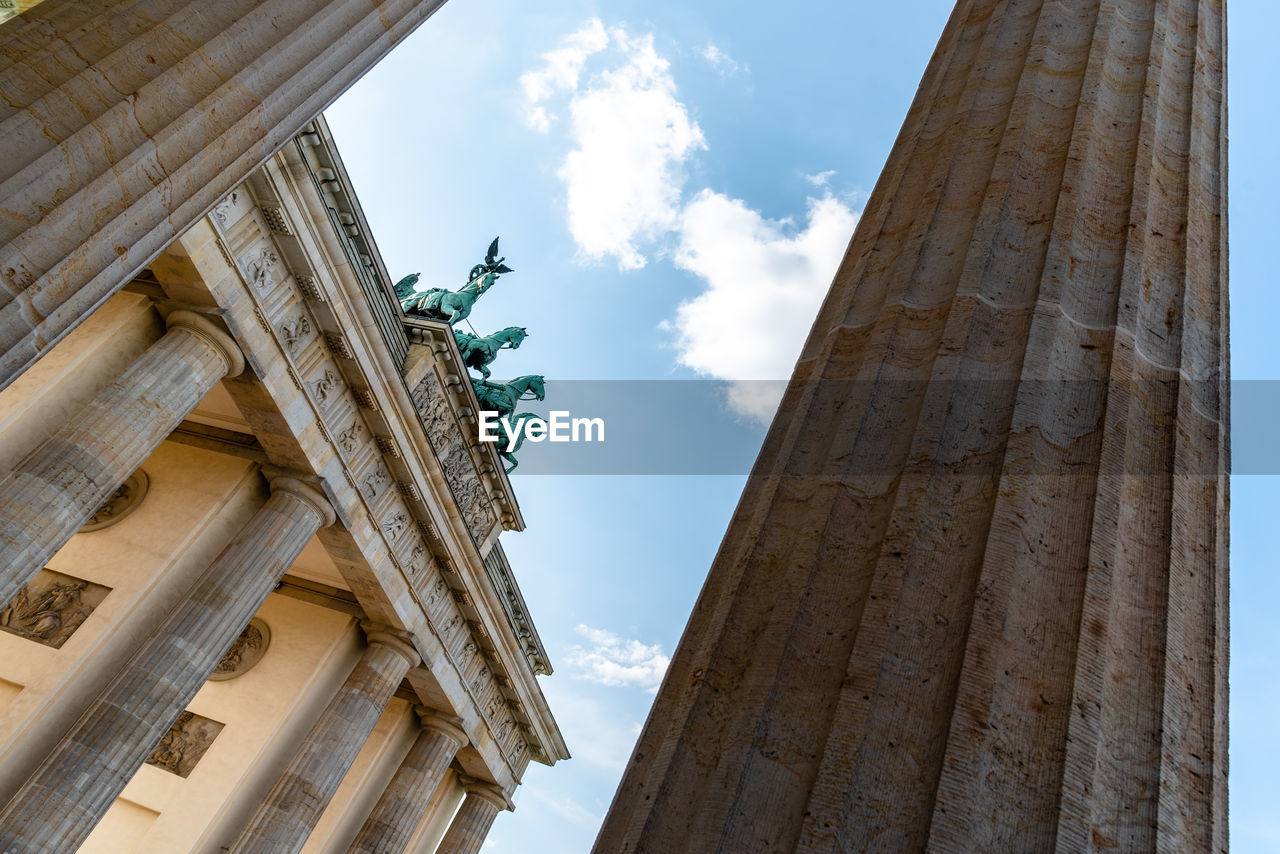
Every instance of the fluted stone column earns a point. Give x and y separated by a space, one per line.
65 479
404 802
190 96
58 807
471 823
296 801
974 597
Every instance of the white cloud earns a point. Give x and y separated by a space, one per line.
611 660
631 135
560 71
721 61
764 283
820 179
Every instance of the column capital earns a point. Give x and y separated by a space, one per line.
307 493
447 725
400 641
215 337
486 791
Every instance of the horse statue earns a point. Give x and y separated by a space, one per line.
504 440
502 397
452 306
478 352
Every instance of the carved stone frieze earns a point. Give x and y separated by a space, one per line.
349 439
127 497
258 266
221 212
246 651
51 607
448 441
184 744
326 385
395 524
375 482
294 331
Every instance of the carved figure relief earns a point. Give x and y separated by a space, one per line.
326 385
222 210
375 482
51 607
121 503
184 744
258 267
246 651
417 562
395 525
350 437
294 331
446 439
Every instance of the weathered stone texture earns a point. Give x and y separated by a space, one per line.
57 487
188 98
403 804
59 805
299 796
974 595
470 825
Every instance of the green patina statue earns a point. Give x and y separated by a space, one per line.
479 352
505 449
452 306
503 397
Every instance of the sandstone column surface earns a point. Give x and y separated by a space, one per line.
122 123
70 792
65 479
297 800
974 596
404 802
470 825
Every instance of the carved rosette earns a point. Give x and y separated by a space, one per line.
245 652
121 503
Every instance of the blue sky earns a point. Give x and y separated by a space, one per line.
674 184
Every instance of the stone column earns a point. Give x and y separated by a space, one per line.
58 807
65 479
404 802
192 97
974 596
471 824
305 787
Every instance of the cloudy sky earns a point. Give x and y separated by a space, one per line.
674 184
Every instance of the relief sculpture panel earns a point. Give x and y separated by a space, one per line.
447 441
184 744
51 607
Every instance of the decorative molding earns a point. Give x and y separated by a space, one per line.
127 498
185 743
51 607
408 490
274 217
246 651
309 287
338 345
387 445
365 398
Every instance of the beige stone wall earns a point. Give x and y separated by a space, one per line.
55 388
196 502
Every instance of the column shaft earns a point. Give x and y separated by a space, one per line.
974 595
303 790
404 802
59 805
65 479
191 96
470 825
